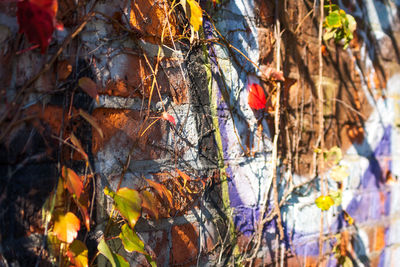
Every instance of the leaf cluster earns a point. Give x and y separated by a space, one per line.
339 25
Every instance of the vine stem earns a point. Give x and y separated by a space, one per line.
276 122
276 211
321 124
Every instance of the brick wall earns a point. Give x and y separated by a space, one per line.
218 138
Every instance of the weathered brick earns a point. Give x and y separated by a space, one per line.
133 77
184 245
150 19
124 128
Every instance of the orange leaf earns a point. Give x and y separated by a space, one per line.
78 145
72 181
256 98
66 227
161 190
149 203
167 117
184 176
83 205
89 87
92 122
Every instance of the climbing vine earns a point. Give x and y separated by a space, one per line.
71 204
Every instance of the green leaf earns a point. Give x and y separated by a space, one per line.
78 253
127 202
324 202
336 197
130 240
347 262
150 261
115 259
333 20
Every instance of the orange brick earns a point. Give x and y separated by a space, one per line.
126 127
184 245
149 18
138 78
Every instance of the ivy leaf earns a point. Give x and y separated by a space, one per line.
352 24
64 69
196 14
333 20
348 218
256 98
324 202
78 145
149 203
329 34
78 253
115 259
336 196
184 176
66 227
83 204
167 117
72 181
90 119
339 173
89 87
161 190
333 155
127 202
53 244
273 74
36 20
130 240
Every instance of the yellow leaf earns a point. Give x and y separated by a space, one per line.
66 227
324 202
196 14
127 202
78 253
348 218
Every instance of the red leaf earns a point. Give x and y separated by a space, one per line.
36 19
167 117
256 99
